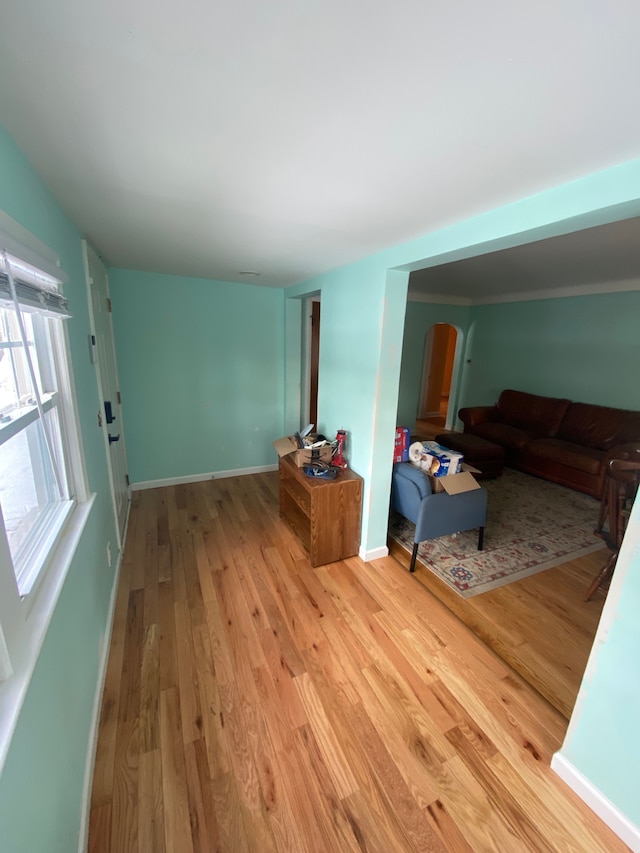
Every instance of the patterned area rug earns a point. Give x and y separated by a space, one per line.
532 525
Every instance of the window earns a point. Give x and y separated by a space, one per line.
44 498
36 484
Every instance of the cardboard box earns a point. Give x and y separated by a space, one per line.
287 445
401 446
455 484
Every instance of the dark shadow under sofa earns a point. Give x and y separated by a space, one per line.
557 439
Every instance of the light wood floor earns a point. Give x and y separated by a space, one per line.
541 626
255 704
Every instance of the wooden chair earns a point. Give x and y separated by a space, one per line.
620 489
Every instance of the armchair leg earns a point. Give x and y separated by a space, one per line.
480 538
412 567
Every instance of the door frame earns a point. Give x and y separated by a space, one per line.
102 423
307 360
426 366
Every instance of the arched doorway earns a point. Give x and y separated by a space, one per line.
437 373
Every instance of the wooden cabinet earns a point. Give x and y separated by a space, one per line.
324 514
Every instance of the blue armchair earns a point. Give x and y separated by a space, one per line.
435 515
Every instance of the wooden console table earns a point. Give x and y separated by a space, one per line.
324 514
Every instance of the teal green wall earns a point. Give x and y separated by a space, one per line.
360 348
586 348
360 311
602 741
201 366
41 784
183 346
419 318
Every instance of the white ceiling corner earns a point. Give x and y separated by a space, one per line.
205 139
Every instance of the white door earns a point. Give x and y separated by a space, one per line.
110 416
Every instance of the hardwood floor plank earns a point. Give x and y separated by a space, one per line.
216 746
220 651
168 663
228 812
333 753
409 816
374 832
124 803
151 803
150 690
203 823
177 820
102 790
241 729
327 809
187 675
100 829
253 703
129 704
502 800
446 828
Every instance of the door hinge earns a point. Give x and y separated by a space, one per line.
108 301
126 477
118 398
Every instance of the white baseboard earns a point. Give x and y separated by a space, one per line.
83 838
373 554
199 478
597 802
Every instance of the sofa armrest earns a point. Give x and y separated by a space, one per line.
474 415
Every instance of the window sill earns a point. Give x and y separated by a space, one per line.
39 609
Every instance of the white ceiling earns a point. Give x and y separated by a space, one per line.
596 259
289 138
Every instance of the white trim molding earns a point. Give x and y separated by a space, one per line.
438 298
373 553
597 802
623 286
198 478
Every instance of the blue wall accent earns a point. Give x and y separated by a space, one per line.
42 781
202 369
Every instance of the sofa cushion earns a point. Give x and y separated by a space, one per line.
555 451
504 434
599 427
540 415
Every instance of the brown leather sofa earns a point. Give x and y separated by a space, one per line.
568 443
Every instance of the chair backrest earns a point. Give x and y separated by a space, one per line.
409 485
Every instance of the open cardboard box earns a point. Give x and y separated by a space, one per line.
287 446
455 484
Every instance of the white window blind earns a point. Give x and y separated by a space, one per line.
36 490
